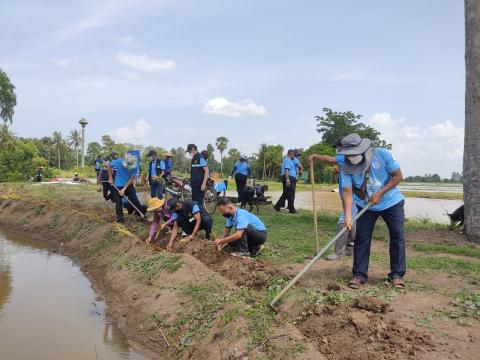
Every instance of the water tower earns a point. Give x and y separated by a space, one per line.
83 122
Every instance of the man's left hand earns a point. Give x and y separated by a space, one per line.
218 242
375 199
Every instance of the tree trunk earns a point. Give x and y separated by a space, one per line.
59 160
77 157
221 162
471 154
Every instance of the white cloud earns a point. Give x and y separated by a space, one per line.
222 106
421 150
144 62
137 134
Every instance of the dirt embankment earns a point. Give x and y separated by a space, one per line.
168 306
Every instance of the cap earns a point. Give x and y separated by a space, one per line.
191 147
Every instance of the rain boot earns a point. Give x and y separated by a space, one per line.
340 245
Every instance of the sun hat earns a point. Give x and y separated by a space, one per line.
130 161
155 203
168 154
353 144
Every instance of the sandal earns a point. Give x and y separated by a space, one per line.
398 283
355 283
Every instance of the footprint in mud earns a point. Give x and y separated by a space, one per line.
371 304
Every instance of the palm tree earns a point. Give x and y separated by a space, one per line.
221 144
6 136
59 145
75 140
471 152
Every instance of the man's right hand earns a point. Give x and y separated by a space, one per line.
348 223
310 160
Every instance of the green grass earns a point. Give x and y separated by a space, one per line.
54 221
146 269
469 303
463 250
434 195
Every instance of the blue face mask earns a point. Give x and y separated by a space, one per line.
228 215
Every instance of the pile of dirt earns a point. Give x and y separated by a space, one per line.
252 273
363 332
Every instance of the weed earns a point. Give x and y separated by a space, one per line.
54 221
468 302
38 210
146 269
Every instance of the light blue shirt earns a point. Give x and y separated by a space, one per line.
341 220
383 164
220 187
242 167
243 218
290 166
123 174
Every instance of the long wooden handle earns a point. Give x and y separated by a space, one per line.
314 206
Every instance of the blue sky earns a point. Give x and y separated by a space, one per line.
172 72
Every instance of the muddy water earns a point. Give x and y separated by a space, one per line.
48 309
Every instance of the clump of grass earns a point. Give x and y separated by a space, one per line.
419 224
464 250
146 269
38 210
468 302
106 241
54 221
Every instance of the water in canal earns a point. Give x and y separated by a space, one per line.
48 309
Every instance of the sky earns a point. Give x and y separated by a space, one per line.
167 73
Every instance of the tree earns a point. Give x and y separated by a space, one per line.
211 150
335 125
8 98
322 172
107 143
75 140
93 150
221 144
6 136
59 146
233 155
19 160
267 161
471 152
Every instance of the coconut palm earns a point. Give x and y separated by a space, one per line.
75 140
471 153
59 146
6 136
221 144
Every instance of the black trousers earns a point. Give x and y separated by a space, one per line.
250 240
131 194
188 226
288 194
198 194
107 191
241 182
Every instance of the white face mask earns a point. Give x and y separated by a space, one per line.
355 160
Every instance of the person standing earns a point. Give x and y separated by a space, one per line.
242 171
168 164
123 185
103 176
198 174
190 217
289 180
373 175
156 172
98 167
344 245
40 174
250 232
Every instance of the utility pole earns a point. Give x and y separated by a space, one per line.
83 122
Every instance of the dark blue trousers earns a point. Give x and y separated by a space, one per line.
394 217
156 189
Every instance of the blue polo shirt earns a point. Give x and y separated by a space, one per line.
123 174
243 218
341 220
153 170
296 162
195 209
98 164
220 187
168 165
383 164
242 167
290 165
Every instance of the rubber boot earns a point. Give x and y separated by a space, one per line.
340 245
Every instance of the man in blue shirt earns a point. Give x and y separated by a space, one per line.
289 181
221 186
156 172
168 164
242 170
127 171
199 173
344 245
250 233
190 217
372 174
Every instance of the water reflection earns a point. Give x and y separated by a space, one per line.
47 303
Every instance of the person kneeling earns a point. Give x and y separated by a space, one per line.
189 216
250 232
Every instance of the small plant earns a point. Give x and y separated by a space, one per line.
146 269
54 221
469 303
